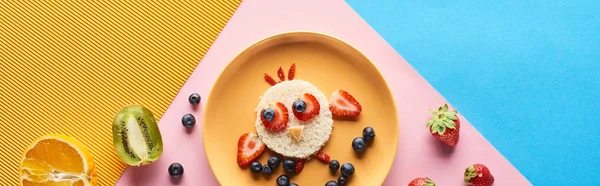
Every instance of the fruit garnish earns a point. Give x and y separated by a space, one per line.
444 125
136 137
334 165
283 180
57 159
359 144
270 80
255 167
323 157
342 180
188 120
368 134
275 118
331 183
299 165
194 99
249 149
175 170
347 169
273 161
306 108
292 72
342 103
421 182
280 74
296 132
289 165
478 175
266 170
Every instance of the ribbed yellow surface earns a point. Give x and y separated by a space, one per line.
69 66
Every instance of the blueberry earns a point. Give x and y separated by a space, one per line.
299 106
188 120
342 180
268 114
289 165
255 166
194 99
334 165
283 180
359 144
293 184
175 170
331 183
266 170
368 134
273 161
347 169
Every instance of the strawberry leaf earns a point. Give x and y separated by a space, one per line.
429 182
470 173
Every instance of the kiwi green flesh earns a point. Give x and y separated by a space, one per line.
136 136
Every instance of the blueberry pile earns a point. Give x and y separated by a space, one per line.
347 170
359 144
288 165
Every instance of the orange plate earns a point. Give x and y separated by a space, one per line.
329 64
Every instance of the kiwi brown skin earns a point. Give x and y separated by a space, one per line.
148 126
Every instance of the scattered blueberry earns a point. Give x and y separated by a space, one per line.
359 144
188 120
266 170
331 183
347 169
368 134
255 166
293 184
175 170
194 99
299 106
289 165
334 165
342 180
273 161
283 180
268 114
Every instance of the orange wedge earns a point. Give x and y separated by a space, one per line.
57 160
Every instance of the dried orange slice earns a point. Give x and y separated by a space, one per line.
57 160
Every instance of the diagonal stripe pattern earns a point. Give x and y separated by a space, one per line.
69 66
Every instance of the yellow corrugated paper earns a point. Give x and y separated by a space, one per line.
69 66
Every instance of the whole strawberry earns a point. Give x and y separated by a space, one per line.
478 175
421 182
444 125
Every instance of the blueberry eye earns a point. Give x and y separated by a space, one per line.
268 114
299 106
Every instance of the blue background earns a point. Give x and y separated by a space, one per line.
525 73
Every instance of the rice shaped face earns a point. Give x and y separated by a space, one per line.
314 132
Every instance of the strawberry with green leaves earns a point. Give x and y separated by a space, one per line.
421 182
478 175
444 125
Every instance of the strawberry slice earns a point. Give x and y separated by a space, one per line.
249 149
306 108
292 72
342 103
280 74
299 166
270 80
275 118
323 157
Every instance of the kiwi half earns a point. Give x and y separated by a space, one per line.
136 136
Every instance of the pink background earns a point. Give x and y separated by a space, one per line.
418 153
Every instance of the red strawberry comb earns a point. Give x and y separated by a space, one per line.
281 75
